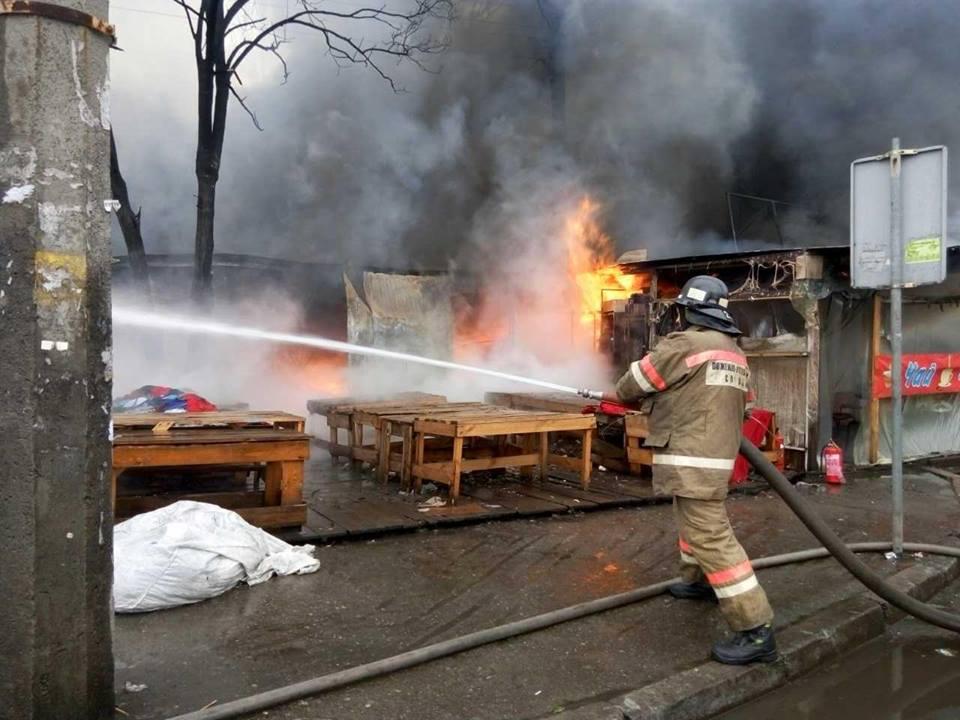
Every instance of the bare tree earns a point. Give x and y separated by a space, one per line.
225 34
129 220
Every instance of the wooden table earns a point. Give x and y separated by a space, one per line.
391 425
272 441
531 429
611 455
339 414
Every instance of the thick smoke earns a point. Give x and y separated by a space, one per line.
664 107
655 110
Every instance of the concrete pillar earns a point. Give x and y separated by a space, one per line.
55 520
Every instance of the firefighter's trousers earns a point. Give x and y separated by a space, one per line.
710 551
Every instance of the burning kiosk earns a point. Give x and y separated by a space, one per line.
818 349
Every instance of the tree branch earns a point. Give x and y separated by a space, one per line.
243 104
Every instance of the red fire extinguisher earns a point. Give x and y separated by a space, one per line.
831 460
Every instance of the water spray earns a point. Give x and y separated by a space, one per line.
140 318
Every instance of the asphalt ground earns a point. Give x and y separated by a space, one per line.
377 598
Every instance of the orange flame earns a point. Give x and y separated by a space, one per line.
319 371
591 263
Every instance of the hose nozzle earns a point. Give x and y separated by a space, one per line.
591 394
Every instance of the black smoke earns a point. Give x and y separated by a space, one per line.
657 109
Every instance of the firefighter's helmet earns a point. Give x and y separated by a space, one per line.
704 299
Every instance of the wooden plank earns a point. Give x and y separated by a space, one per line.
340 421
502 425
383 435
511 495
410 418
418 448
586 466
129 456
519 426
202 420
494 462
322 406
564 461
206 437
546 493
435 472
275 515
564 488
272 476
639 456
543 450
636 425
607 449
465 508
128 506
406 457
291 483
376 416
360 515
383 404
620 487
455 468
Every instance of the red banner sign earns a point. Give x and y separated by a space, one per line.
929 374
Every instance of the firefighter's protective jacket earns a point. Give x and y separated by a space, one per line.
697 381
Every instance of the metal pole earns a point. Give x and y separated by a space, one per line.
896 340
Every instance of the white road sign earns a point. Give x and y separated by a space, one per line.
923 200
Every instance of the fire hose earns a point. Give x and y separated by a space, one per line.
832 545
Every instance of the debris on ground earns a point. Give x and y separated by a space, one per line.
191 551
434 502
428 488
134 687
946 652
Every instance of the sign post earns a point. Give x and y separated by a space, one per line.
898 227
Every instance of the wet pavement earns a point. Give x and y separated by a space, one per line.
376 598
912 673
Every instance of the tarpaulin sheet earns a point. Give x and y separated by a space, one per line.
159 398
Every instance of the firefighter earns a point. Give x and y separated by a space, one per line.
696 381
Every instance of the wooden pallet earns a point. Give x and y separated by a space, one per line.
530 430
224 443
398 457
166 422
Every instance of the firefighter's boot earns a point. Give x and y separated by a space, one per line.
697 590
747 646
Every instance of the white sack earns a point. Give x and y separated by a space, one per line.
191 551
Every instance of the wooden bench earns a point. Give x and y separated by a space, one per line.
530 429
272 442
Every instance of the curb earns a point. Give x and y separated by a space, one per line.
711 688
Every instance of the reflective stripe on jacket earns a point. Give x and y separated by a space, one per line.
698 381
